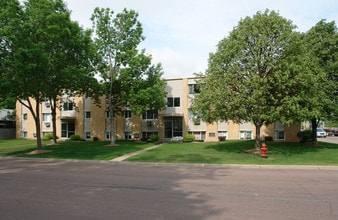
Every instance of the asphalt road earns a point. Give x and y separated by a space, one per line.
63 189
329 139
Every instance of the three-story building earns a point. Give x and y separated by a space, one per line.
81 116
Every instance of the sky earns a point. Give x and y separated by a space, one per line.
180 34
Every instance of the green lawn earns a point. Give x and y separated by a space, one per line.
227 152
231 152
85 150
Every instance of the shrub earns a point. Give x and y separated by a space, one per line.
268 138
189 138
48 136
75 137
221 138
305 136
154 137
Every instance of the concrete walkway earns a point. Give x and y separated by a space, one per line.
123 157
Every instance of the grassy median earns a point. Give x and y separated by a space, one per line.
227 152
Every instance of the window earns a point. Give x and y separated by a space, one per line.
68 106
193 89
24 116
46 117
87 114
222 133
107 114
127 114
246 135
150 114
146 135
279 135
87 135
199 135
279 131
24 134
127 136
107 135
212 134
173 102
196 118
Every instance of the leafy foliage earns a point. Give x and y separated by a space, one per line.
75 137
129 78
45 54
255 74
321 97
154 137
189 138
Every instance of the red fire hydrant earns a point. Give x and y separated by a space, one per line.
264 150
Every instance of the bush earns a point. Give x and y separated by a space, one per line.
305 136
268 138
48 136
221 138
154 137
75 137
189 138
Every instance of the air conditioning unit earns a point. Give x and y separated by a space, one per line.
47 104
47 124
149 123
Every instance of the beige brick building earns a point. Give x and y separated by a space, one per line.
79 115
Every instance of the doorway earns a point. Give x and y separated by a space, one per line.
67 129
173 127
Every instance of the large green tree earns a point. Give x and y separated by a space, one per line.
255 74
46 55
129 77
71 53
10 15
322 103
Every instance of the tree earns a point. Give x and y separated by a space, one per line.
71 54
255 74
321 42
10 14
129 78
45 55
24 70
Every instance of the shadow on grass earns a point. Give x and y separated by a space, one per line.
283 148
85 150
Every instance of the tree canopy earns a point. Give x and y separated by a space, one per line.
256 74
130 79
45 55
321 99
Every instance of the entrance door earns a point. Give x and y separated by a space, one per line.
172 127
67 129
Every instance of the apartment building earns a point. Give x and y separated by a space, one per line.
79 115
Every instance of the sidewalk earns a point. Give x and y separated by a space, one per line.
123 157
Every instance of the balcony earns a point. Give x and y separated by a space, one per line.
67 115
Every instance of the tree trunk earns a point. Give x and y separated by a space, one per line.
314 131
111 120
38 125
258 126
53 108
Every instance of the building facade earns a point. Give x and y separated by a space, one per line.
79 115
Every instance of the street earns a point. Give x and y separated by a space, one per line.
329 139
65 189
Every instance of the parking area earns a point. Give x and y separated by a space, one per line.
329 139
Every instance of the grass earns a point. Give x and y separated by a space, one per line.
83 150
227 152
231 152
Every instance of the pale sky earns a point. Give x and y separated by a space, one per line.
180 34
